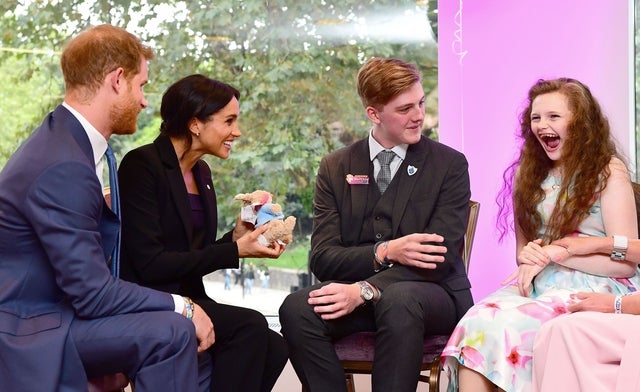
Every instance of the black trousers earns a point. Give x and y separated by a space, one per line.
247 356
406 312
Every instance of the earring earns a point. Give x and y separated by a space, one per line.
197 133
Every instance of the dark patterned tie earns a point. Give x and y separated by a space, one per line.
115 207
384 176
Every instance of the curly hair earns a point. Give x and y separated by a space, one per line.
588 135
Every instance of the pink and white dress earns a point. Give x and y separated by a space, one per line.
495 337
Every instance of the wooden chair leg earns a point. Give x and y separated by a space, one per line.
434 375
351 386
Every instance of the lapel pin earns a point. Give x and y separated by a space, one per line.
411 170
357 179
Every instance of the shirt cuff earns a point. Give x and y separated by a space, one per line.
179 303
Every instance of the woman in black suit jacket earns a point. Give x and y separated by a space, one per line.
169 228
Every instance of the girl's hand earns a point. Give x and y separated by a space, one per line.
595 302
524 277
533 254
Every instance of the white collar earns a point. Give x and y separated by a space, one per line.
98 142
375 148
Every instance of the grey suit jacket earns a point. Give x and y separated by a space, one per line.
56 233
435 199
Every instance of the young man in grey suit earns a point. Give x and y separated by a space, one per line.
63 316
386 241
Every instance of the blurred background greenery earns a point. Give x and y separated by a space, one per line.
293 61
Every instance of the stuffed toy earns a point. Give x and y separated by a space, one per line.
258 209
251 203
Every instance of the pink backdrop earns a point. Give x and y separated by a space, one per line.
490 53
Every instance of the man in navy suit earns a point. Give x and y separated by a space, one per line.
386 241
61 311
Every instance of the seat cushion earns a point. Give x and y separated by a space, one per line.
109 383
360 347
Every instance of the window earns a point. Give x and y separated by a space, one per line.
294 63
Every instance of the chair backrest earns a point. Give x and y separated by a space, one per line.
474 210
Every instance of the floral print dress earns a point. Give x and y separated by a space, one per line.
495 337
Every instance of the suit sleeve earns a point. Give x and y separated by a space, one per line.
157 256
64 205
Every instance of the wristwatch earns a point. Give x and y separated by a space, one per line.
366 292
378 263
620 245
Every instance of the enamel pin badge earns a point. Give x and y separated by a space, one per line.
357 179
411 170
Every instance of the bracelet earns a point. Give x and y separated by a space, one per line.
617 303
384 263
188 304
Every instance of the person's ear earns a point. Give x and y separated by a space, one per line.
373 114
194 127
115 79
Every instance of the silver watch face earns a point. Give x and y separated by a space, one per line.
366 292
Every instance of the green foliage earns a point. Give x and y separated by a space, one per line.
293 61
295 257
26 95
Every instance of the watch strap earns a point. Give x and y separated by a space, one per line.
620 245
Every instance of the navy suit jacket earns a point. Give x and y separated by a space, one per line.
158 247
434 199
56 234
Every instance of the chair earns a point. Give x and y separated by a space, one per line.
356 350
111 382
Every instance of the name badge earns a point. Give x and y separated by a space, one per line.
357 179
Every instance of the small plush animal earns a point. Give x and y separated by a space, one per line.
279 229
258 197
251 203
258 209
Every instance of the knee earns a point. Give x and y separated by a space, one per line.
183 329
562 326
253 319
295 313
292 306
393 301
279 353
174 332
